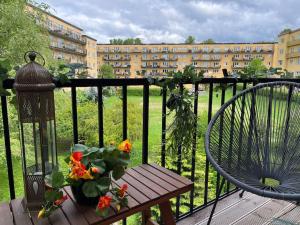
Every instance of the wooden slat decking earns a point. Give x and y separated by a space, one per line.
249 210
148 185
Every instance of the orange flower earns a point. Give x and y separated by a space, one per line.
78 171
61 200
95 169
77 156
104 202
125 146
122 190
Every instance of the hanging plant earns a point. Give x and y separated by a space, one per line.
180 102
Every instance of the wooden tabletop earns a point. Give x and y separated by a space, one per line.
148 185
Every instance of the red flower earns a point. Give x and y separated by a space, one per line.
61 200
104 202
77 156
122 190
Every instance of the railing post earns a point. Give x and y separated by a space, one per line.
163 126
124 99
8 148
145 123
74 115
194 146
100 116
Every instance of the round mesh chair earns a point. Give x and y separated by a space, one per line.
255 138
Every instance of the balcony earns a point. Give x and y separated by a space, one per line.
204 59
116 59
67 35
293 43
208 67
70 50
293 55
160 59
190 209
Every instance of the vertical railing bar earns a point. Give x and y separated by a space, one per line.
10 173
194 147
223 86
145 123
124 98
100 116
163 126
179 166
231 133
74 115
210 99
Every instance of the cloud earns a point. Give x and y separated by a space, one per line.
157 21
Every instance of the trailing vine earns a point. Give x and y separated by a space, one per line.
180 102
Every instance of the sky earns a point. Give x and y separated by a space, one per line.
171 21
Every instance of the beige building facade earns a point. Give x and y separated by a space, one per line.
159 59
288 56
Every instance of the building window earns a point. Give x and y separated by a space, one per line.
194 63
165 71
280 62
298 61
291 61
165 49
281 51
166 63
225 55
144 56
248 49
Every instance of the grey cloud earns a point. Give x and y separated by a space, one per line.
173 20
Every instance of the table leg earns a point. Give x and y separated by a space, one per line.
166 213
146 217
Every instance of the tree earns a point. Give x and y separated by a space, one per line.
127 41
22 30
106 71
256 68
208 41
190 40
286 30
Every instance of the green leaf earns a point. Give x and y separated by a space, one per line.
67 159
118 172
103 212
90 189
79 148
52 195
57 179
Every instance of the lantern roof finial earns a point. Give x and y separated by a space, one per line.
32 56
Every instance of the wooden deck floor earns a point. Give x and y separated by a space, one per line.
249 210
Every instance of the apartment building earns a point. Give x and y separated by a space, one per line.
159 59
69 43
288 53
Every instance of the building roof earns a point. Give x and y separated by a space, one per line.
217 43
89 37
56 17
289 32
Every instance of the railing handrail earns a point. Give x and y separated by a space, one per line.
94 82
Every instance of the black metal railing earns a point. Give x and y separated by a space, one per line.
124 84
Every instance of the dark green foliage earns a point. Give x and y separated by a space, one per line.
128 41
190 40
209 41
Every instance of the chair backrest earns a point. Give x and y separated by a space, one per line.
257 131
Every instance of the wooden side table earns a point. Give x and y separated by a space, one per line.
148 185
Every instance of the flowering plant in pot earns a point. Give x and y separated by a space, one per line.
91 171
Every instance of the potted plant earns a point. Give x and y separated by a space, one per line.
91 171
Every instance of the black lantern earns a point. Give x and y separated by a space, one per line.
35 100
